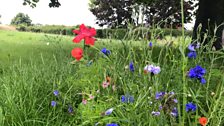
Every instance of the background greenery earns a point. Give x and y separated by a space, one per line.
138 33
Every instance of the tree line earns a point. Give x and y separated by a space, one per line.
120 13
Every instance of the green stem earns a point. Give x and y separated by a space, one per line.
182 18
184 63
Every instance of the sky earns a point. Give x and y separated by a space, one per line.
71 12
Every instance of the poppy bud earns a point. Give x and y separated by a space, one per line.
77 53
203 121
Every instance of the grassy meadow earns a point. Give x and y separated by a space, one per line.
34 65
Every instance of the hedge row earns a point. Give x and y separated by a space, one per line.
137 33
50 29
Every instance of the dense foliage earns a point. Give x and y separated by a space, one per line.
21 19
32 3
112 13
118 13
121 33
167 13
51 29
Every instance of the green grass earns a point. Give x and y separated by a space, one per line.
31 69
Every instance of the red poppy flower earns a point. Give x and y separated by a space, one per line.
77 53
203 121
86 34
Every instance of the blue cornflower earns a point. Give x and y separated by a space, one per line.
53 103
171 93
109 111
159 95
202 80
152 69
155 113
112 124
160 107
56 92
124 99
198 73
127 98
131 99
70 109
174 112
105 51
191 47
192 54
175 100
190 107
156 70
150 44
131 67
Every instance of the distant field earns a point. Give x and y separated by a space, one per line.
15 45
7 27
25 45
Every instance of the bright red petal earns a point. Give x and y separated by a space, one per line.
76 31
92 31
82 27
77 53
89 40
78 38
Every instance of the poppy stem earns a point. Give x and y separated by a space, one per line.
84 45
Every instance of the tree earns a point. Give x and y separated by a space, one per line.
112 13
166 12
32 3
0 18
119 13
21 18
210 14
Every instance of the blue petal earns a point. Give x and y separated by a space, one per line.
191 47
192 55
203 81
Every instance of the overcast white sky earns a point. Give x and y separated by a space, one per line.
71 12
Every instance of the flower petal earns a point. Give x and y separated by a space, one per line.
191 47
92 31
76 31
78 38
202 80
82 27
192 55
109 111
89 41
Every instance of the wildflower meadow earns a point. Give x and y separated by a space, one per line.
81 80
108 82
